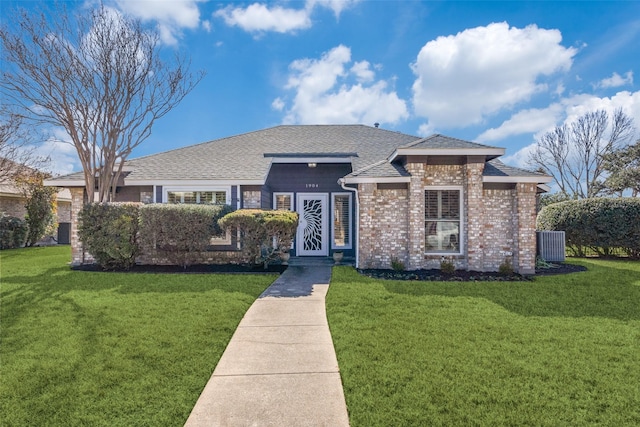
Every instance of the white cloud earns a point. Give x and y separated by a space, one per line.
336 5
526 121
616 80
171 16
363 71
206 24
62 154
278 104
326 93
464 78
259 18
520 159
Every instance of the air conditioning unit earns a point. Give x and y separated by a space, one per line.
551 247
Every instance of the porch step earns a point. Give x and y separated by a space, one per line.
317 260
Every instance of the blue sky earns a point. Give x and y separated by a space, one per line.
498 73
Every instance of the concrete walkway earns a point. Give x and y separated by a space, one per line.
280 367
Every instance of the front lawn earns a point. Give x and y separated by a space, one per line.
110 349
561 350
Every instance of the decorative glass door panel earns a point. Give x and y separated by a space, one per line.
312 237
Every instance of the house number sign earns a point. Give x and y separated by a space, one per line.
312 185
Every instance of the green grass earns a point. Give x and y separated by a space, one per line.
558 351
110 349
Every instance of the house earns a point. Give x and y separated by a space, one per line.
12 203
375 194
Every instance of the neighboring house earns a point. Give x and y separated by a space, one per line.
12 203
375 194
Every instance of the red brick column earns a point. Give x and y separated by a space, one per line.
77 201
416 236
526 208
474 215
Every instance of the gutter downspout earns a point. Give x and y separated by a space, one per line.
342 183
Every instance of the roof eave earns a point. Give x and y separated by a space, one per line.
64 182
490 152
376 179
518 179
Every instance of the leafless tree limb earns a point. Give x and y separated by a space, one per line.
574 154
98 75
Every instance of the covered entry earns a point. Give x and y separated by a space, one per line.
312 238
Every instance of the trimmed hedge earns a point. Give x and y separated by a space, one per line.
180 233
263 233
13 232
109 232
600 224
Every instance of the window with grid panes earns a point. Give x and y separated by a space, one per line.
341 220
197 197
442 221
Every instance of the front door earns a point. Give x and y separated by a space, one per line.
312 236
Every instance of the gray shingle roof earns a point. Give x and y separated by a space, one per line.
441 141
242 157
496 168
380 169
248 156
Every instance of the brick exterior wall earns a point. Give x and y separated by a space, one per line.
498 224
383 231
474 216
526 217
64 211
13 206
77 252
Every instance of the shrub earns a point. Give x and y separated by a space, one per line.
397 265
109 232
40 206
506 268
263 233
447 266
13 232
180 233
600 224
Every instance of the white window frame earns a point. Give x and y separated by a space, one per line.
188 188
459 188
291 207
349 244
223 241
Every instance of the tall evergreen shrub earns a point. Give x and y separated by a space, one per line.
600 224
180 233
109 232
13 232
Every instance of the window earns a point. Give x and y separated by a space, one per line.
283 201
341 220
197 197
442 211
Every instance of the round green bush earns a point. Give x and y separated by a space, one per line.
109 231
13 232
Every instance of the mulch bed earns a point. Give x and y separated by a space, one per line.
197 269
467 276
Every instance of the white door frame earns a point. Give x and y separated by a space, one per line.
304 225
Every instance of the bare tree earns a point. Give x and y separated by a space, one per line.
98 75
16 152
573 154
